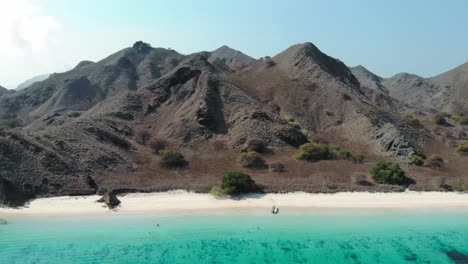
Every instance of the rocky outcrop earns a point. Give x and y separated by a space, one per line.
11 194
229 59
109 199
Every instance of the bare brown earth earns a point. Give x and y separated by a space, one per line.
77 132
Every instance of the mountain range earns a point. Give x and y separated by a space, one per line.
79 132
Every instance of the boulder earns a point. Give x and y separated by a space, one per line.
110 199
3 221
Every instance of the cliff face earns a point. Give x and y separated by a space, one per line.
76 132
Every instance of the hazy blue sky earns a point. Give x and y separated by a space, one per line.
419 36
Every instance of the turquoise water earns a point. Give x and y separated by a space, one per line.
371 236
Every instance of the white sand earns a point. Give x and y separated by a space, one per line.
182 201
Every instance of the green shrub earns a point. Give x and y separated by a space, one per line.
440 118
157 145
305 131
463 147
346 97
252 159
142 136
338 152
216 191
358 158
277 167
172 158
387 172
255 145
295 124
416 160
313 152
458 116
359 179
289 118
459 187
274 106
237 182
344 154
412 119
464 121
434 161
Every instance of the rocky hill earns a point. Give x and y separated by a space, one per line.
30 81
446 92
96 127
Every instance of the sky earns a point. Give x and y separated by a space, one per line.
425 37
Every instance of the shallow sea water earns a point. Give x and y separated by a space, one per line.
327 236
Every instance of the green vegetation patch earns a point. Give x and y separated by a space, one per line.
387 172
305 131
416 160
157 145
338 152
434 161
252 159
238 182
412 119
321 151
358 158
256 145
463 147
274 106
171 158
439 119
313 152
277 167
460 187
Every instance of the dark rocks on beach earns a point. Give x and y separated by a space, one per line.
11 194
110 199
457 257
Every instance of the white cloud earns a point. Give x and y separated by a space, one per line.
26 32
24 26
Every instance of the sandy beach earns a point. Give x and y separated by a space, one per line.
180 201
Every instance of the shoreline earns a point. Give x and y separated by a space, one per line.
179 201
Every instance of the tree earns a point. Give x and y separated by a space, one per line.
416 160
237 182
255 145
359 158
142 46
171 158
252 159
387 172
313 152
142 136
157 145
277 167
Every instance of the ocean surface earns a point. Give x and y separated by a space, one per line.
334 236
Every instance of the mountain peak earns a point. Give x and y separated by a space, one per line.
306 57
83 63
233 59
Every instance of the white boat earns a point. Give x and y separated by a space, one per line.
274 209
